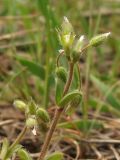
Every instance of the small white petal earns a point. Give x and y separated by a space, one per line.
34 131
67 38
61 50
82 38
107 34
66 19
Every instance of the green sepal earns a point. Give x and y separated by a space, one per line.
32 107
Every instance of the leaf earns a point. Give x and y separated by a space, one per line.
23 155
76 81
51 23
34 68
4 149
105 91
12 150
55 156
80 124
69 97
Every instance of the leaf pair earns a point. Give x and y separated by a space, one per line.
69 97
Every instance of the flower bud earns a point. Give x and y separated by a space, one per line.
66 36
67 27
20 105
77 49
80 43
99 39
75 56
31 122
43 115
67 40
61 73
32 107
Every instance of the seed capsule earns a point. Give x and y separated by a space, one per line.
32 107
80 43
67 27
99 39
20 105
66 36
31 122
43 115
61 74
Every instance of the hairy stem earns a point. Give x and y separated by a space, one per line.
68 83
56 116
50 134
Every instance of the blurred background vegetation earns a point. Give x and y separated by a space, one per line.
28 50
29 46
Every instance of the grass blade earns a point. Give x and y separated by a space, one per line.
104 90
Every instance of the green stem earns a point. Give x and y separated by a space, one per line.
57 115
18 139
